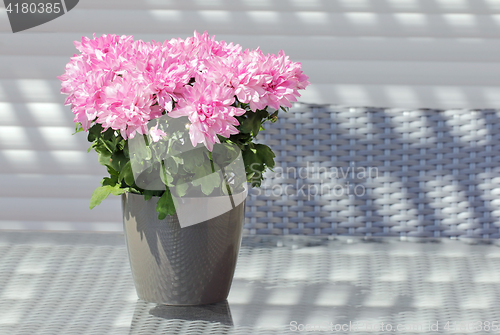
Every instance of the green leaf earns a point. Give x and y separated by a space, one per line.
104 158
91 146
103 192
127 175
165 205
117 190
165 176
148 194
202 170
246 126
112 171
224 154
109 145
140 151
181 189
158 150
109 135
252 123
265 154
254 165
260 115
78 128
195 157
150 179
124 146
171 165
208 183
255 181
118 160
94 132
111 181
250 157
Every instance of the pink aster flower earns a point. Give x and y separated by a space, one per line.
123 84
241 72
168 74
90 72
208 107
108 84
249 79
126 105
108 52
280 79
199 47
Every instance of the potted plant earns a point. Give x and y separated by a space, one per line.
175 125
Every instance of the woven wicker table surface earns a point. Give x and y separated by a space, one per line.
80 283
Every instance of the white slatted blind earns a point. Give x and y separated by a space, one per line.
394 53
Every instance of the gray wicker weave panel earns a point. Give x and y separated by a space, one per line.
75 284
380 172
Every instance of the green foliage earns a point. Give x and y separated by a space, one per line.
78 128
165 205
257 157
102 193
210 182
126 174
165 165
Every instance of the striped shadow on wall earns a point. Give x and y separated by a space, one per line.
399 56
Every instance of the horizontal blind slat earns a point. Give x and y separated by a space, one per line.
374 6
48 186
317 23
404 96
42 138
58 209
297 47
51 162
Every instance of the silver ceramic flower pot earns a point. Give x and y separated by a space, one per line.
181 266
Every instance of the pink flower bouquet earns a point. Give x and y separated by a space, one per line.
117 86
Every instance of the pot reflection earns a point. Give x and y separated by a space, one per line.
150 318
219 312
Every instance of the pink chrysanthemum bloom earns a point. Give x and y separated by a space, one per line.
88 73
241 72
208 107
122 84
195 51
126 104
104 44
248 80
280 79
200 47
108 83
167 73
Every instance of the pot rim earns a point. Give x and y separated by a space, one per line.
207 196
